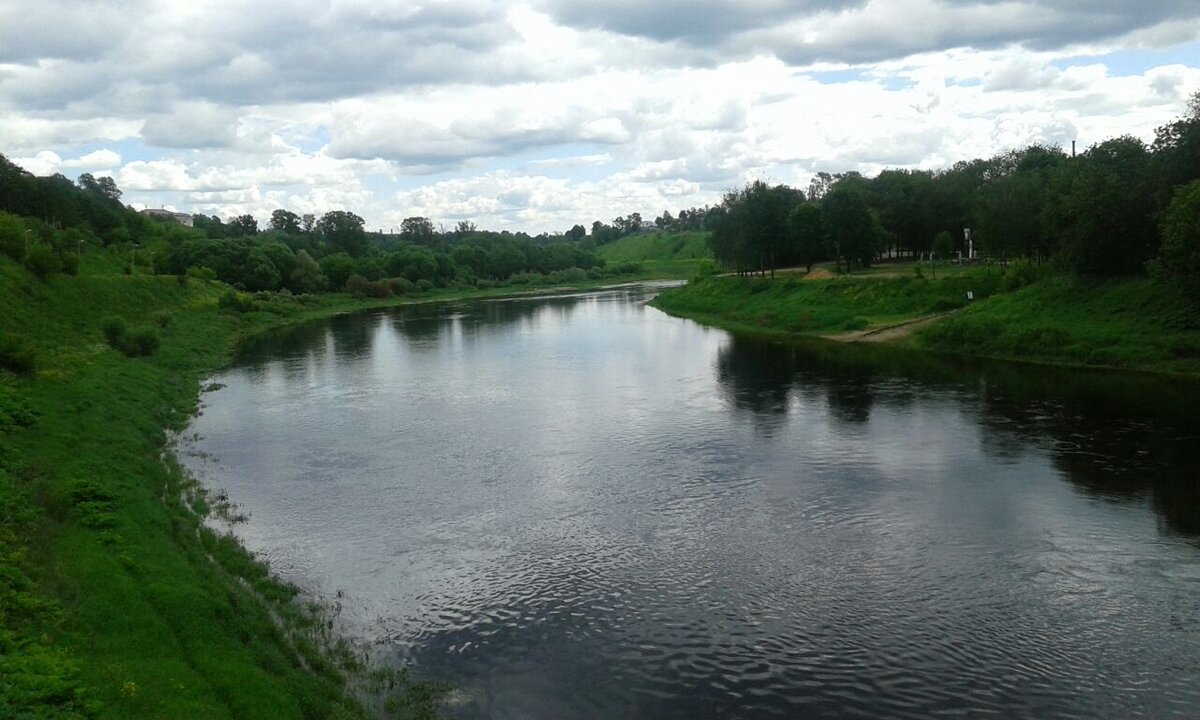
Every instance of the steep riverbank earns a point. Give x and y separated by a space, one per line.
1133 324
116 601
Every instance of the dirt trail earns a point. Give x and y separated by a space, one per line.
888 333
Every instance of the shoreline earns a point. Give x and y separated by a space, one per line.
1044 326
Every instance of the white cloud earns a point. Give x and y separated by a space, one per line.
539 115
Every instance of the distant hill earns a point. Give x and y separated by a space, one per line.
658 247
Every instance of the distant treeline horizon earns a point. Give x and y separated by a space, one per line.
1121 207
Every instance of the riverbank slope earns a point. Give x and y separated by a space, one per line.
115 600
1133 324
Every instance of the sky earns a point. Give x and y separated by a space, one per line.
534 116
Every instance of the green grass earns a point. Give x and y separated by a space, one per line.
789 305
115 600
1128 323
1134 323
674 255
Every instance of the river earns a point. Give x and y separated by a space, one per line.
580 507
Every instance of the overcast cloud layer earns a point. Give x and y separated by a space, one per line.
538 115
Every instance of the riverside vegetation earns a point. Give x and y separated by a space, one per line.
117 600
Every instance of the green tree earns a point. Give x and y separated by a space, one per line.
752 233
576 233
102 187
1177 150
417 230
1180 254
1100 209
808 234
344 231
306 276
13 236
243 226
285 221
412 262
854 230
337 269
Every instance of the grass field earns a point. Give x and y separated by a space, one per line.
116 601
1133 323
675 255
1128 323
791 305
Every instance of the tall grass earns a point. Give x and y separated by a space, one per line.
116 601
789 305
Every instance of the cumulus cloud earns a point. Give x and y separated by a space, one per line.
540 114
192 125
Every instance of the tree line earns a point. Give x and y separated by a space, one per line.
1121 207
47 221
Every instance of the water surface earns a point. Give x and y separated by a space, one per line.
581 507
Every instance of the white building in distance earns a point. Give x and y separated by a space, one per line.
158 214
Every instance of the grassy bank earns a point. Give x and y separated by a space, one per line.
674 255
115 600
790 305
1130 323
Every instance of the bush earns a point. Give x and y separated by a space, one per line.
424 285
42 260
235 301
137 342
706 268
379 289
141 341
162 318
401 286
357 285
12 236
199 272
526 278
114 329
1019 274
70 263
573 274
17 356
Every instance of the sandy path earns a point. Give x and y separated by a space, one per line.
888 333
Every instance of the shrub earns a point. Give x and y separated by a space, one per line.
17 356
1019 274
595 273
424 285
401 286
12 236
379 289
706 268
526 278
70 263
137 342
42 260
141 341
357 285
200 272
114 329
573 274
235 301
162 318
